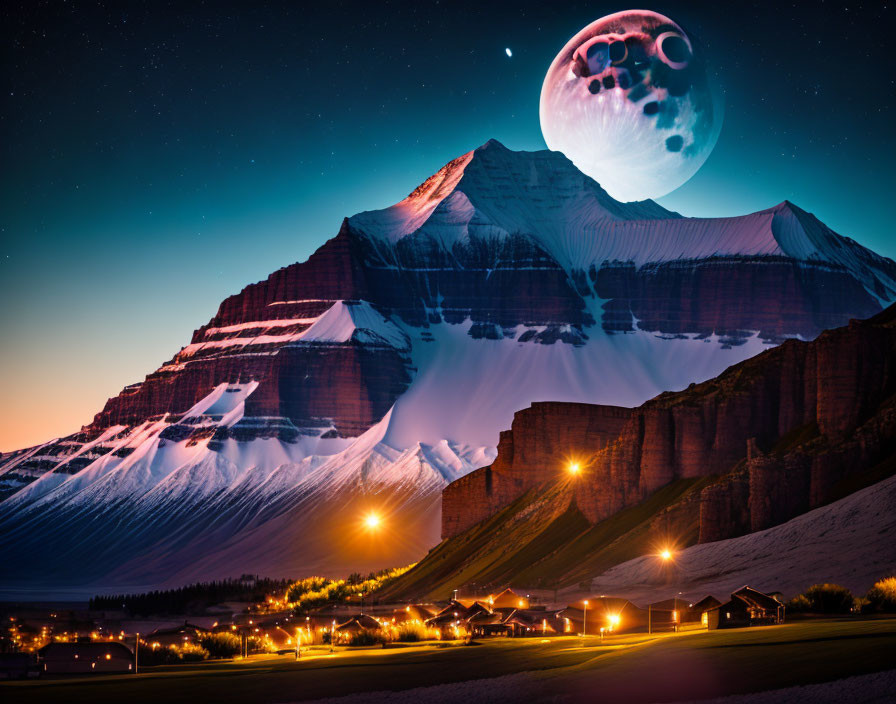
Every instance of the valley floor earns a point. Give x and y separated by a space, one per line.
629 667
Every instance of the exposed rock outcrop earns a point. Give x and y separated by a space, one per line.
787 430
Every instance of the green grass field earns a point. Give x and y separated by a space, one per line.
635 668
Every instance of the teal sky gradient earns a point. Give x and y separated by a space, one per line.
159 159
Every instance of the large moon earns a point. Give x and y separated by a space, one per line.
628 100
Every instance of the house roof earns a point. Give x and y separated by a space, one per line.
673 604
597 608
94 649
413 611
360 622
486 619
509 593
756 598
463 612
176 630
706 603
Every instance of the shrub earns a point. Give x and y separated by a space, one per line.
157 656
190 652
365 638
410 633
221 645
310 593
829 599
799 604
882 596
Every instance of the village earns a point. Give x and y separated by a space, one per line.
269 651
60 643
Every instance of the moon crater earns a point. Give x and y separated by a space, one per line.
629 101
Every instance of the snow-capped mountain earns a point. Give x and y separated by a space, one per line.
385 366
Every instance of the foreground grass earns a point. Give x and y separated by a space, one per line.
630 667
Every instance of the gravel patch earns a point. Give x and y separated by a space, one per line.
876 688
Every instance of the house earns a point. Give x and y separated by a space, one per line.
699 610
488 624
668 614
176 635
455 614
18 666
747 607
412 613
534 622
508 599
608 613
360 623
85 657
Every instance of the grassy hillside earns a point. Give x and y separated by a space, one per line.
542 541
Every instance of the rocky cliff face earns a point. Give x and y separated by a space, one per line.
391 359
785 432
543 440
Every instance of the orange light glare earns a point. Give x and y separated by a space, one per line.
372 520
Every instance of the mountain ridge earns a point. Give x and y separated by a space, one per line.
389 361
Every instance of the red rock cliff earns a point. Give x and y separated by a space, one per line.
812 414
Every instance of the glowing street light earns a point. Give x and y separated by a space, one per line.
665 555
614 620
585 619
574 468
372 521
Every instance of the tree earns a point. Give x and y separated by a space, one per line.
882 596
829 599
221 645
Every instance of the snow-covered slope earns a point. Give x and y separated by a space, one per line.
387 364
851 542
495 192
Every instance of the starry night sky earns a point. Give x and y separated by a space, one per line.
158 157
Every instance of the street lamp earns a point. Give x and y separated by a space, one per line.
665 555
372 521
574 468
585 619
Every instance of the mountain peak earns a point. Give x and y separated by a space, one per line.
494 191
492 144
